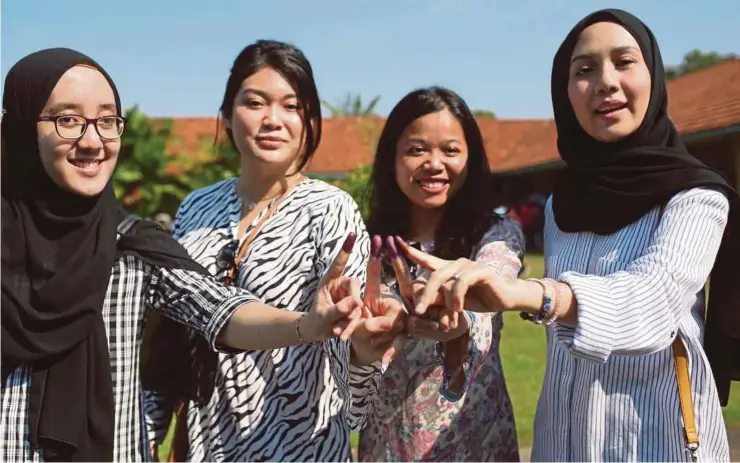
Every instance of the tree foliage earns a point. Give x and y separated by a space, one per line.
142 180
352 106
696 60
484 114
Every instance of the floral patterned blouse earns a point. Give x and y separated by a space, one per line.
414 416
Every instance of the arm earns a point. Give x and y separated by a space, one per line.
360 381
501 249
637 311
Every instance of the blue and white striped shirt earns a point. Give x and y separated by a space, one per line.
609 392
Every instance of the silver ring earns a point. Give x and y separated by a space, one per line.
455 276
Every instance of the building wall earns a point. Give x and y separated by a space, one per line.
721 153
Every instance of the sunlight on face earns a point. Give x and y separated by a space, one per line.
82 166
609 82
431 159
267 120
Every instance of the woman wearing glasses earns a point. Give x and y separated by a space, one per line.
78 275
274 232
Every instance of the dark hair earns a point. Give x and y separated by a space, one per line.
293 65
468 214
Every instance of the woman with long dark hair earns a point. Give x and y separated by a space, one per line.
274 232
444 397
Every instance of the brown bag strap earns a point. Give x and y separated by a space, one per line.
253 234
681 360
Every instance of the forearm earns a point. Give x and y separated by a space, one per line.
257 326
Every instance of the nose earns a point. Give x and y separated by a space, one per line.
434 161
608 80
272 117
90 139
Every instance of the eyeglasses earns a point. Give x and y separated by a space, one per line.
73 126
226 261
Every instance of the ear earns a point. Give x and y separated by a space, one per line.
227 122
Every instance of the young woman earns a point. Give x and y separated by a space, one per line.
631 235
446 389
75 287
282 231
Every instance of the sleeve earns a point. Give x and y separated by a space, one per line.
158 408
501 248
341 217
637 311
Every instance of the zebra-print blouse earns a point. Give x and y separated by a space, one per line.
291 404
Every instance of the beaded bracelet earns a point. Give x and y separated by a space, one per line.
555 312
544 315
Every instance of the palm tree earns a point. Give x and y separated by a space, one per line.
352 106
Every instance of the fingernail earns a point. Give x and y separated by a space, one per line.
375 246
391 245
349 243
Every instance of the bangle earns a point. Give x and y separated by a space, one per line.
544 314
298 329
555 312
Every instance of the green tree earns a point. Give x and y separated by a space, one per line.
484 114
213 163
142 181
352 106
357 184
696 60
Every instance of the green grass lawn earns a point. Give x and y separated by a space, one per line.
523 357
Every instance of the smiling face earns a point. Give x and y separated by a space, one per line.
609 82
267 120
431 159
81 166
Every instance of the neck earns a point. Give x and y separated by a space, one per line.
424 222
258 183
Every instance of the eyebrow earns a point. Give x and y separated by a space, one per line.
266 95
421 140
59 107
591 55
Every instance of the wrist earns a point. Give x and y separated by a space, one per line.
305 329
530 296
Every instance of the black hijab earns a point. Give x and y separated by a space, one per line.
610 185
58 250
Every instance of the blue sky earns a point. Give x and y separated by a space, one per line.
172 57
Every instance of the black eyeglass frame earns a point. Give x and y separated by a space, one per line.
88 121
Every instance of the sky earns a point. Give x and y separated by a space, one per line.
172 57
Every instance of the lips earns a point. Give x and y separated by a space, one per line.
610 107
88 167
432 185
270 143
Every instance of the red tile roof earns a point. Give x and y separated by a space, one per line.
698 102
701 101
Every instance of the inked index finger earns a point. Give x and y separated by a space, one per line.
340 262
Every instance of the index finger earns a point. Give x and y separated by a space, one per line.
340 262
431 290
403 274
372 285
421 258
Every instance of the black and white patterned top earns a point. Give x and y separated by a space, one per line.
610 391
135 286
290 404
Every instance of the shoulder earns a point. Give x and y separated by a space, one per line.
507 230
217 191
206 206
322 197
699 197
